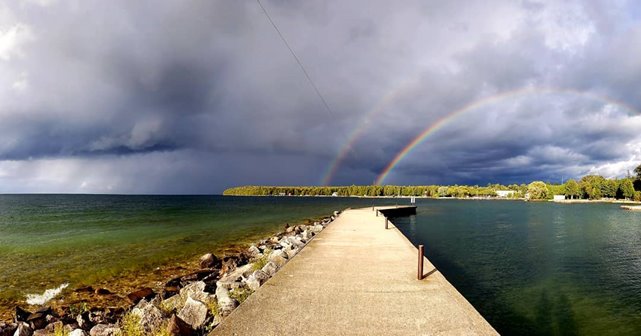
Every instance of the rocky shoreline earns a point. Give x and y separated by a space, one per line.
189 304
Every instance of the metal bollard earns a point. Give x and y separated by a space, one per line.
376 213
421 254
386 221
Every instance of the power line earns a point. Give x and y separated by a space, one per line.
309 79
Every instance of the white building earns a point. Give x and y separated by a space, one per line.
505 193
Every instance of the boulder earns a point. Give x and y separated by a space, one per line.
7 329
225 303
252 282
37 320
23 330
150 316
317 228
169 291
51 327
83 321
194 313
210 261
235 276
21 314
307 234
104 330
176 326
40 332
269 268
78 332
253 250
195 290
291 252
261 276
143 293
278 257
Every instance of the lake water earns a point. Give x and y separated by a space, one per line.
538 268
529 268
48 240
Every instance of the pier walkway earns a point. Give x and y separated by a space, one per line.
356 278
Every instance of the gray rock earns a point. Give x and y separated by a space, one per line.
307 234
40 332
104 330
317 228
150 316
269 269
195 290
23 330
235 276
210 261
279 258
261 276
194 313
252 282
78 332
225 303
7 329
291 252
253 250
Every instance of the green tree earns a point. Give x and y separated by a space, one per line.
538 190
637 171
572 189
609 188
626 188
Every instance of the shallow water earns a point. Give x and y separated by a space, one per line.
538 268
49 240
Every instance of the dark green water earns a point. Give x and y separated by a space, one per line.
538 268
48 240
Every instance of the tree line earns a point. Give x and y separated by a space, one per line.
588 187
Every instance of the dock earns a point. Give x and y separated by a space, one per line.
356 278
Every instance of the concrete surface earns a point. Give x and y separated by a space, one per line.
356 278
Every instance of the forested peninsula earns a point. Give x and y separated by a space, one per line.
592 187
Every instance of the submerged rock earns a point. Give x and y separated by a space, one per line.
102 291
143 293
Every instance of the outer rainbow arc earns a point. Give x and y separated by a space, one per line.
432 128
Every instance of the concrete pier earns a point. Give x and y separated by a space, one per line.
356 278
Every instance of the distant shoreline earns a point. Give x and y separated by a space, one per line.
566 201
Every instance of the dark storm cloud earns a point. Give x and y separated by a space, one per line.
196 96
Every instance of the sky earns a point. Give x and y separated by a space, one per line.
192 97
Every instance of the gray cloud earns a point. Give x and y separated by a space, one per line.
196 96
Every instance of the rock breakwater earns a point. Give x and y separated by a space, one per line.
190 304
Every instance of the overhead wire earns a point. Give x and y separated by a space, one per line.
300 64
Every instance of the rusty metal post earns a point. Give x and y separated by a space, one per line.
421 254
386 221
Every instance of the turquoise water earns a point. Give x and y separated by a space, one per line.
48 240
538 268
